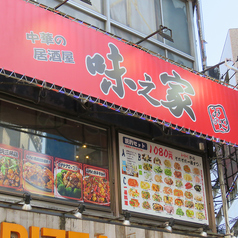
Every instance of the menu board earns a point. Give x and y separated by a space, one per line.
68 179
10 167
38 173
96 185
161 181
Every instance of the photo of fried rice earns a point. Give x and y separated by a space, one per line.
144 185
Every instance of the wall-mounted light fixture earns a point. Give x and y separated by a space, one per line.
127 216
204 231
79 211
27 200
162 31
168 225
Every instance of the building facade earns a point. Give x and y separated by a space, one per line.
80 132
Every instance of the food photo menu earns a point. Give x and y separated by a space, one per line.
161 181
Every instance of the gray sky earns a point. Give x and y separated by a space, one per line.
218 17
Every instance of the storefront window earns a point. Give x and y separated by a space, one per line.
51 156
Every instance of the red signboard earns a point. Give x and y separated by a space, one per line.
47 46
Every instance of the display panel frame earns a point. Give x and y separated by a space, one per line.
134 153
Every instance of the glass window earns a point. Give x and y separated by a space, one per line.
175 18
180 60
132 38
137 14
96 5
51 135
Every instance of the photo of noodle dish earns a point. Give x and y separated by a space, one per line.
38 176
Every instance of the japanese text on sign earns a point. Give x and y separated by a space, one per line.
38 159
47 38
68 166
134 143
95 172
9 152
178 95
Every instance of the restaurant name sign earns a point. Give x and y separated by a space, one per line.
46 46
34 232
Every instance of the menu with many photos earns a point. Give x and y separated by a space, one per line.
45 175
161 181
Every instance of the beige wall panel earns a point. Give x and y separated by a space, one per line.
3 213
120 231
153 234
99 228
76 225
134 232
110 230
88 227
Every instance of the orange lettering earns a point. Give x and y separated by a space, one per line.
100 236
8 228
48 232
73 234
34 232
